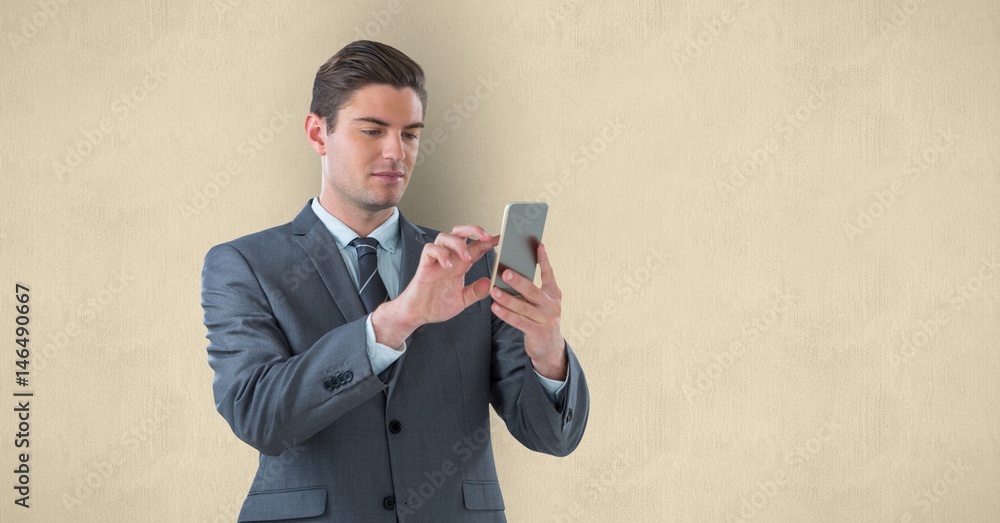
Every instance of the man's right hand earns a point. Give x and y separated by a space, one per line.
437 291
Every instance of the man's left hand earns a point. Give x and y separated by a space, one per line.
536 313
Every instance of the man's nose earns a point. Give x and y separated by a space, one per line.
393 148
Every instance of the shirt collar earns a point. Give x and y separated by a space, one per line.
387 234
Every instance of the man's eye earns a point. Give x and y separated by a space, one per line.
411 136
370 132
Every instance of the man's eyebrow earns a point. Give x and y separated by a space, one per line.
376 121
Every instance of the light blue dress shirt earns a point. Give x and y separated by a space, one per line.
390 259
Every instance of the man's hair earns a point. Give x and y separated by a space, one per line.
359 64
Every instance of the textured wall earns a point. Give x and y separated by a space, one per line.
775 225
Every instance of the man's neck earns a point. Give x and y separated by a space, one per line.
361 222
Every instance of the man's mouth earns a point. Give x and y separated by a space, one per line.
389 176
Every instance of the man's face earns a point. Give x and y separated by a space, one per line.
371 152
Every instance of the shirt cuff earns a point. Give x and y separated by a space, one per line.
553 388
380 356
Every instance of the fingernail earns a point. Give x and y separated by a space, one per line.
448 263
496 293
507 275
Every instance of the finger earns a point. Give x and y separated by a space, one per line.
545 303
474 232
548 277
434 253
480 247
519 306
510 317
455 243
476 291
524 286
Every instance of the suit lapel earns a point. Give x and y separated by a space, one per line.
413 239
319 245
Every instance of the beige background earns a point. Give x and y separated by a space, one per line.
753 205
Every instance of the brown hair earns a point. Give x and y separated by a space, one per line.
357 65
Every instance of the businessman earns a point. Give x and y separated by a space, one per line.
359 353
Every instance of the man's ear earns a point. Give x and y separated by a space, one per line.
316 133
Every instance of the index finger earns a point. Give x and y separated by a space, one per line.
480 247
548 277
473 232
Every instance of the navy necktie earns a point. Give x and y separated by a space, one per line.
372 288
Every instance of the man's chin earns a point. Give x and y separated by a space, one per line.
383 204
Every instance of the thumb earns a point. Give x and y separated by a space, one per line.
476 291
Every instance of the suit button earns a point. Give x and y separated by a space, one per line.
389 503
329 384
569 415
395 427
348 376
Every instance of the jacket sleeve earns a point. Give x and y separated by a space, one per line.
271 398
517 395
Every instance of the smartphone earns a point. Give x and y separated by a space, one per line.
520 235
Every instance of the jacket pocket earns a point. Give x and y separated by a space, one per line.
269 505
482 495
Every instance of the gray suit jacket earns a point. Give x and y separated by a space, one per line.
286 331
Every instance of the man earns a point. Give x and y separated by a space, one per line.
359 353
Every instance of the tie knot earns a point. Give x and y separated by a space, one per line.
364 244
